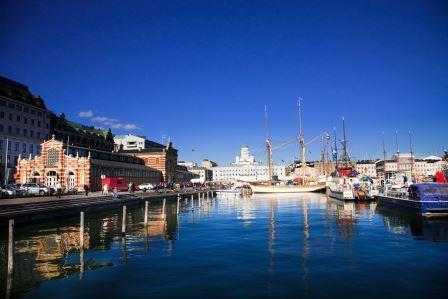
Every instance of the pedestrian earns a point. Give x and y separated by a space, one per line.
105 189
115 192
86 190
133 187
58 189
130 187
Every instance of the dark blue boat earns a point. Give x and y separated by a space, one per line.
425 199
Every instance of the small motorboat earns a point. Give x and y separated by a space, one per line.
424 199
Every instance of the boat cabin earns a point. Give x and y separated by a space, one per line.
428 192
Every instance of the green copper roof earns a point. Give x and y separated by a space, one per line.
87 130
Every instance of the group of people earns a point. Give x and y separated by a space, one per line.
106 191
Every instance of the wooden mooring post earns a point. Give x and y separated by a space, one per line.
123 222
81 230
9 276
163 209
11 246
146 212
177 207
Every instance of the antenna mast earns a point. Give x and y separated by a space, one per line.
268 144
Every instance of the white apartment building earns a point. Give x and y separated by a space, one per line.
367 168
129 142
423 167
245 168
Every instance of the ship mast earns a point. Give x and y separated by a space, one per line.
384 158
412 155
268 145
302 141
335 148
398 152
344 145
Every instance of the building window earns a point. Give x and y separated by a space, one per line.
16 147
32 122
10 116
18 117
52 157
9 129
31 133
23 148
38 135
25 132
38 123
31 148
25 120
18 131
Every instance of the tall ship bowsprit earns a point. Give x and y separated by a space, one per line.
346 183
272 186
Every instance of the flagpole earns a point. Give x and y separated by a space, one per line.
6 161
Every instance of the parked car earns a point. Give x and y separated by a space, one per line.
33 188
7 190
146 186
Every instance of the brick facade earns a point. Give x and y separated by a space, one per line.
75 171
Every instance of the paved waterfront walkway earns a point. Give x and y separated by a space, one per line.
37 199
37 209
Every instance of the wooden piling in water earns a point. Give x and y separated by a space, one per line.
163 209
123 222
81 230
146 212
177 207
11 246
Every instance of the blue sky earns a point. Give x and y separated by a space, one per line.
202 71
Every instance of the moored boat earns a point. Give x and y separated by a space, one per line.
265 188
424 199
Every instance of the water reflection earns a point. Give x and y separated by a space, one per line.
431 229
286 234
53 251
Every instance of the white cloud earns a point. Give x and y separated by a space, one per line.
87 113
112 123
130 127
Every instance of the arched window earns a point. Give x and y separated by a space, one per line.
52 157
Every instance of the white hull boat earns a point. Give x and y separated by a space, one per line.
262 188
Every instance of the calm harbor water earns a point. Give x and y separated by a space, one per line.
260 246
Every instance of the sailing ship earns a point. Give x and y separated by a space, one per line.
346 184
277 187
